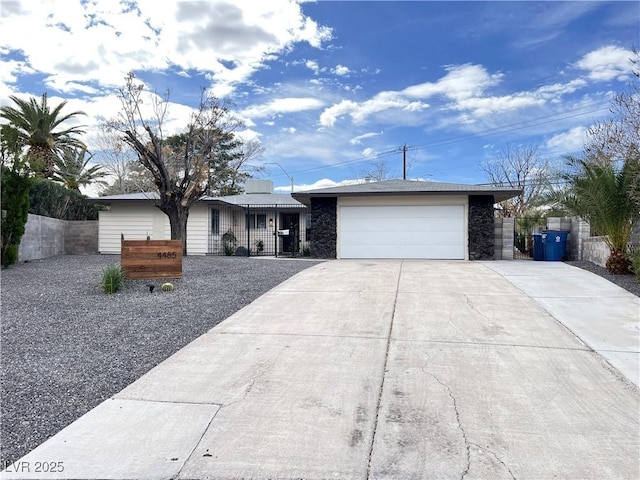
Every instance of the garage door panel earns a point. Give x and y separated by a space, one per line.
402 232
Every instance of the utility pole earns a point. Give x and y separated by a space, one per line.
404 161
283 171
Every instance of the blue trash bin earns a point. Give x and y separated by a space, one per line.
556 245
538 246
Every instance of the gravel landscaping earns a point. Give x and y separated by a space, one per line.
66 346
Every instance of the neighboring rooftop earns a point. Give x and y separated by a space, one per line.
408 187
251 199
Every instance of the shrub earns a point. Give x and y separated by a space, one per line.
50 199
229 242
112 279
15 205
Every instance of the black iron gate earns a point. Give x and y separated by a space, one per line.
256 230
525 227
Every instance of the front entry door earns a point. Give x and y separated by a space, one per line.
290 221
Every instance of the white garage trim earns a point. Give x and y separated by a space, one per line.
389 229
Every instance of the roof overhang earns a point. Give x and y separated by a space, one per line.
499 194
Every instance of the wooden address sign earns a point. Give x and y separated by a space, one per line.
151 258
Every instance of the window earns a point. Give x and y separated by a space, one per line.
256 221
215 221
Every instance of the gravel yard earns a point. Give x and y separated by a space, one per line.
66 346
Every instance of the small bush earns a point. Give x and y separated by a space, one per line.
306 251
112 279
9 255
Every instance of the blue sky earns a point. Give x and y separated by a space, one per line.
334 88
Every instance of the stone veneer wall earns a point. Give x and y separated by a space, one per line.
324 227
481 227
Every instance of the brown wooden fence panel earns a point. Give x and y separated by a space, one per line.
151 258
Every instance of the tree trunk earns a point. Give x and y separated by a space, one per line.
618 264
178 216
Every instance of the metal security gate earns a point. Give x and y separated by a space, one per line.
256 230
525 227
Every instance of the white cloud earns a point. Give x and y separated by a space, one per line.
283 105
313 66
368 152
358 140
322 183
101 41
569 141
607 63
460 82
341 70
464 88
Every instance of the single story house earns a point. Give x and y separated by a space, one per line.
258 222
404 219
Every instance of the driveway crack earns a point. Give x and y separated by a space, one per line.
460 427
496 457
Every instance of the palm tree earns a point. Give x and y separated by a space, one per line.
72 168
36 124
600 192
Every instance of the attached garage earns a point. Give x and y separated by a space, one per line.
402 231
404 219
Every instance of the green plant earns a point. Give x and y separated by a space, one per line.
599 192
15 185
112 279
50 199
72 168
38 127
259 245
229 242
306 251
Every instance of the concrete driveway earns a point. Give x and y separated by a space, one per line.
387 370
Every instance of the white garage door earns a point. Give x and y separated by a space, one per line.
435 232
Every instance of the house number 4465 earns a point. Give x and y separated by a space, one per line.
167 254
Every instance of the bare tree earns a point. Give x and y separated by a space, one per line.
377 171
118 160
518 167
180 164
243 165
615 142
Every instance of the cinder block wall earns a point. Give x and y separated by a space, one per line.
43 237
503 238
46 237
595 250
81 237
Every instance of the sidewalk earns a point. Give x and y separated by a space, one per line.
604 316
383 369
